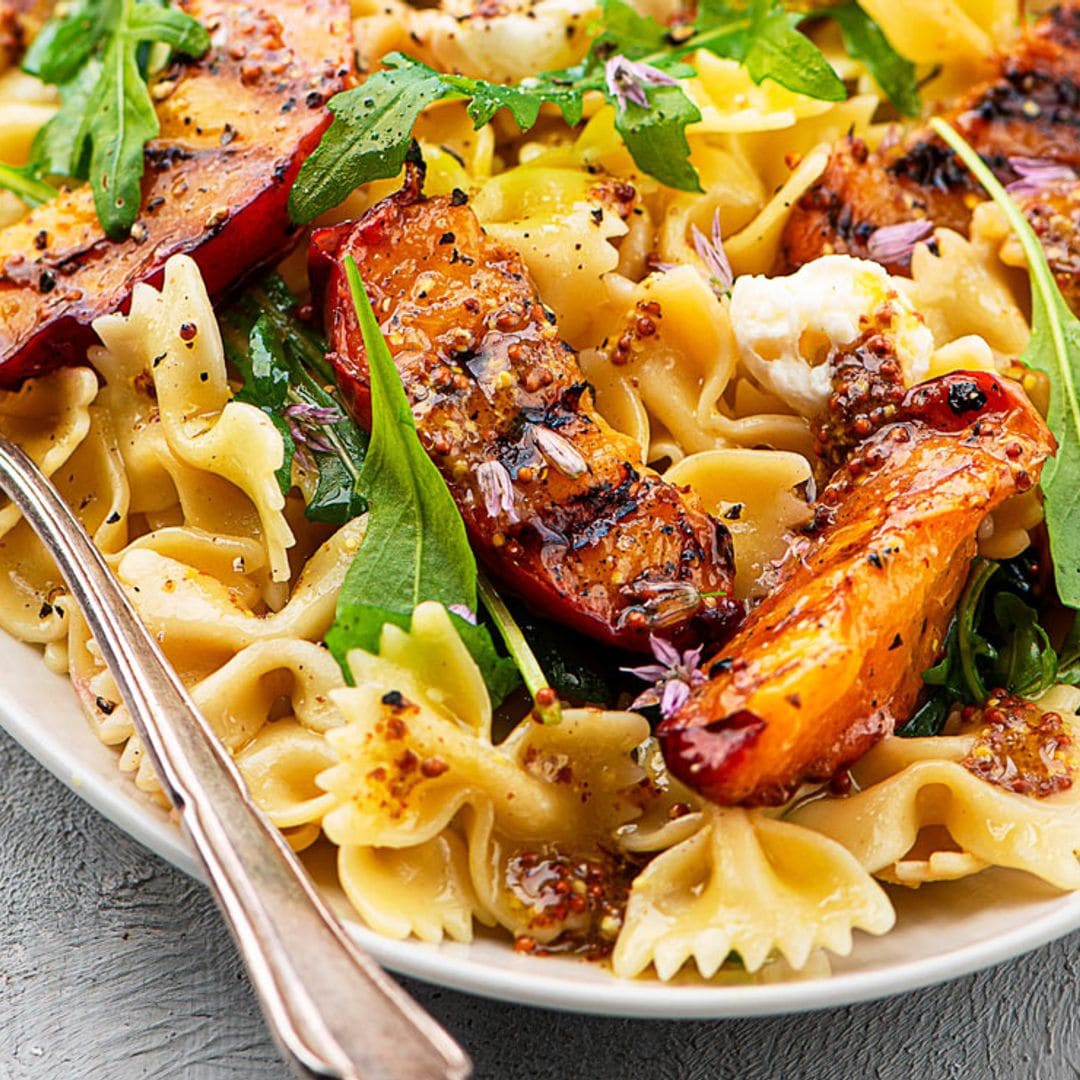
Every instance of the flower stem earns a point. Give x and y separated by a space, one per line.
32 191
545 700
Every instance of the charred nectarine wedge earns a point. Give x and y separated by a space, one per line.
557 504
832 660
235 128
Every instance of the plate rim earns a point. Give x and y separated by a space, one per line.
133 813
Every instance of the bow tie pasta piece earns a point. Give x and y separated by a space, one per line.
922 816
280 677
748 884
731 102
219 647
424 891
269 706
933 31
670 356
665 373
26 105
51 418
963 288
733 190
253 688
408 763
279 767
48 417
757 494
429 663
237 562
200 619
416 764
165 361
755 248
228 559
534 208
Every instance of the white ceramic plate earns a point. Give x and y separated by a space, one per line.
943 930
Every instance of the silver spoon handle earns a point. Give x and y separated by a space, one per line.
333 1011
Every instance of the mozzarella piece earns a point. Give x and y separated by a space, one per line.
789 328
504 42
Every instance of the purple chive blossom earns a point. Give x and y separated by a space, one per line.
305 420
673 677
626 81
1036 174
560 452
462 612
711 253
497 488
895 243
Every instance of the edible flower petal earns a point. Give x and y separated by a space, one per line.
497 488
463 612
711 252
560 452
895 243
673 677
1037 173
626 81
305 419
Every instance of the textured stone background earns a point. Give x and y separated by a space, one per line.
114 966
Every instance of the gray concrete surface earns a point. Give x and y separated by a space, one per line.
115 966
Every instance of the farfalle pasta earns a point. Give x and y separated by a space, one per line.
417 764
914 785
748 884
165 359
421 792
192 441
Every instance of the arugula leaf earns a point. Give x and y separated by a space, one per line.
266 380
971 645
65 44
335 499
630 33
948 674
1069 655
120 121
277 367
778 51
59 146
956 678
149 22
523 101
928 720
865 41
96 53
656 136
995 640
1054 349
266 384
369 137
282 363
273 298
575 668
501 673
1026 663
415 547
